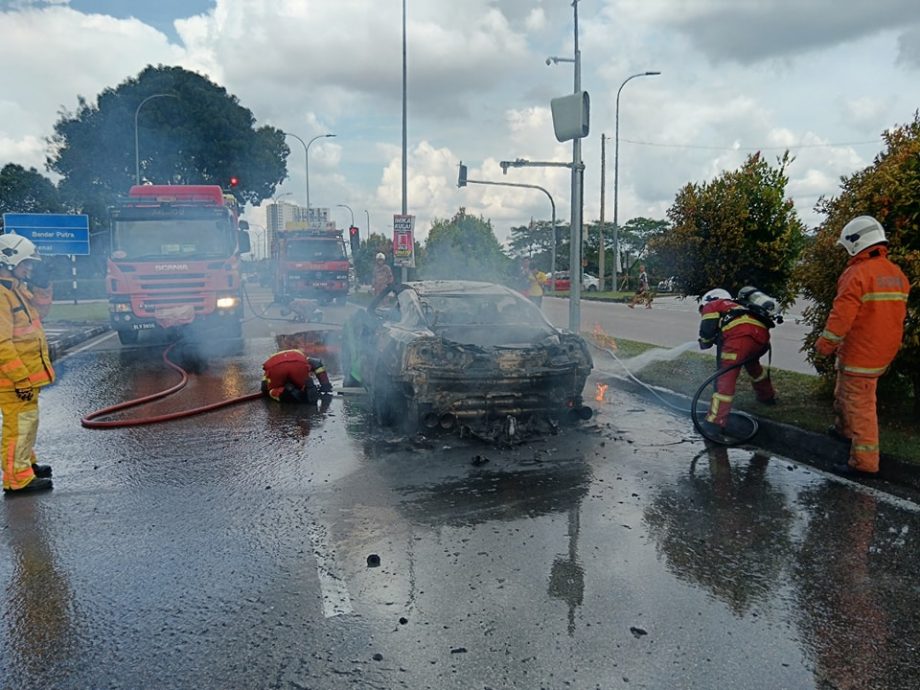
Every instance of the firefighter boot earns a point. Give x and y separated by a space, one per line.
41 471
36 485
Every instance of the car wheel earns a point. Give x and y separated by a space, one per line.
592 288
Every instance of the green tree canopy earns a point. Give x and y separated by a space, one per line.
889 190
27 191
734 231
202 136
464 248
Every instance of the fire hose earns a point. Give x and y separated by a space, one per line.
89 421
693 411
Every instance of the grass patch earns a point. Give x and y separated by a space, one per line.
804 401
89 311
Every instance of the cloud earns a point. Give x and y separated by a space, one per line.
53 54
747 31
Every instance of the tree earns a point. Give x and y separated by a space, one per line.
27 191
203 136
536 241
734 231
889 190
464 248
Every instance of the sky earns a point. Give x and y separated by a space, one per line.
823 78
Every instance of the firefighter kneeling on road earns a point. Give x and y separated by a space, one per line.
287 378
739 333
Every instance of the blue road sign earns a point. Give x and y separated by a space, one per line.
52 233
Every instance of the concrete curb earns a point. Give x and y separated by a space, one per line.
58 346
818 450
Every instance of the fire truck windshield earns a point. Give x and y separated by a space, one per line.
172 238
316 250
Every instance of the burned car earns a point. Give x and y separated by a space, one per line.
468 356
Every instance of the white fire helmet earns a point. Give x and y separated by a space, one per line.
713 295
380 257
15 249
860 233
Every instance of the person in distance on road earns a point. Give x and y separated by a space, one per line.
25 363
643 292
383 274
864 329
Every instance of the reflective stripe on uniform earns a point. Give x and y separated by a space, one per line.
731 356
741 320
712 315
865 448
870 371
884 297
765 374
833 337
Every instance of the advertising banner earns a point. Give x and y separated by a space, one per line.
404 241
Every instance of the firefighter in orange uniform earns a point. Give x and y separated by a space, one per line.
738 334
287 377
25 364
864 329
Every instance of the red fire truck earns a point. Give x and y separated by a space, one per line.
175 260
309 262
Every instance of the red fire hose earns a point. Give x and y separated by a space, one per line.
89 423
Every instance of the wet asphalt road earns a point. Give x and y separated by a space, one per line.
231 551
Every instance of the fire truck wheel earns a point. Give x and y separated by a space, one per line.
127 337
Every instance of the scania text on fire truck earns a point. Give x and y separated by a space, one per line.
309 261
175 260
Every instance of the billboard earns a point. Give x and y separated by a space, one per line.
404 241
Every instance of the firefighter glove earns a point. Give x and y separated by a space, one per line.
24 393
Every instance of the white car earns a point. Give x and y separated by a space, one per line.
590 282
669 285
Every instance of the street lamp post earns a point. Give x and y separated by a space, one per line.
306 157
577 196
616 174
368 223
350 211
137 158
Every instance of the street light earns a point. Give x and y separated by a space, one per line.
350 211
368 222
616 175
275 198
577 205
463 180
306 156
137 158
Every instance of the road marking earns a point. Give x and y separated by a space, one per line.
92 343
334 591
890 499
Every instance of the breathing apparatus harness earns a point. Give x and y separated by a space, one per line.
765 309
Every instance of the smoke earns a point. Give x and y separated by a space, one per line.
639 362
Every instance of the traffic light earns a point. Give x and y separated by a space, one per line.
461 179
234 182
355 239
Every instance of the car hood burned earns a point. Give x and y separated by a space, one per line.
473 358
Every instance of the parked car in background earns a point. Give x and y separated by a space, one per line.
463 356
668 285
564 282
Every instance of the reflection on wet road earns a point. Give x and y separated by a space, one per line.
231 551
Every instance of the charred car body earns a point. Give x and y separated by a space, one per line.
473 357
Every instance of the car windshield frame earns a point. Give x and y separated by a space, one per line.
482 310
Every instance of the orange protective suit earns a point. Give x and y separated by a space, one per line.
24 361
287 377
740 335
865 329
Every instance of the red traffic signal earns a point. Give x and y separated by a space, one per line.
234 182
353 231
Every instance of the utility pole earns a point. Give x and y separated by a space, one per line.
601 250
578 178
